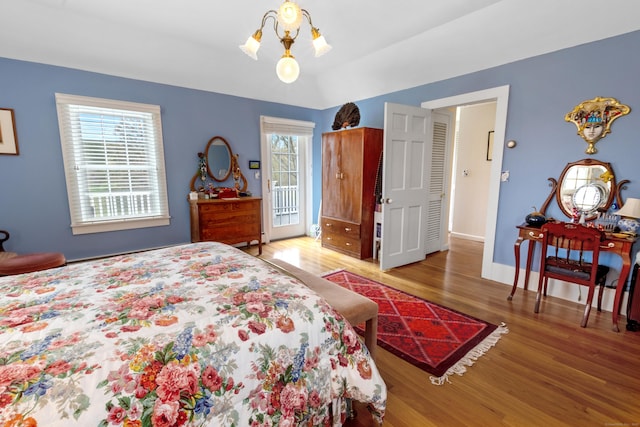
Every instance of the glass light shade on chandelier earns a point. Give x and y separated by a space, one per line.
252 45
320 44
289 18
288 69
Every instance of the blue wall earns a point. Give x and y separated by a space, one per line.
33 200
543 89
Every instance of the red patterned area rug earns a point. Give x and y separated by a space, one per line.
434 338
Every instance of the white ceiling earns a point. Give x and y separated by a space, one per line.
377 47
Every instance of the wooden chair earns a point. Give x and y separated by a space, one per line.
570 253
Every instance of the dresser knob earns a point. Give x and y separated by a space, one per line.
347 229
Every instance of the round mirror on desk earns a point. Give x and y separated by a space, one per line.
588 198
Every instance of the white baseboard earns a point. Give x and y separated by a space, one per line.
467 236
568 291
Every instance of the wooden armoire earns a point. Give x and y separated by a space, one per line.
350 161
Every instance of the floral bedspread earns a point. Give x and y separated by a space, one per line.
194 335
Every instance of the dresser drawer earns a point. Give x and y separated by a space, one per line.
612 245
224 214
343 228
229 207
231 233
349 245
225 219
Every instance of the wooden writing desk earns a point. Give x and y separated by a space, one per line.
612 244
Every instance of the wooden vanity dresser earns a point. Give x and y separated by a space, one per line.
230 221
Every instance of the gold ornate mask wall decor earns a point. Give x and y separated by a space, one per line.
593 119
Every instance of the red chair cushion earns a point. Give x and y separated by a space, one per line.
31 262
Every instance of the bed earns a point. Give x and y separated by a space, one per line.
200 334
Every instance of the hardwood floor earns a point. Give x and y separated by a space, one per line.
547 371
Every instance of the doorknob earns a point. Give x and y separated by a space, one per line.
388 201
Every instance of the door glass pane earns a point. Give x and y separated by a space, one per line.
285 172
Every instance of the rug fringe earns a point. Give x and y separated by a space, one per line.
469 359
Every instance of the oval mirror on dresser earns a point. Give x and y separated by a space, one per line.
218 163
218 155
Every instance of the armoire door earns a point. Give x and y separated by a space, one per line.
351 158
331 204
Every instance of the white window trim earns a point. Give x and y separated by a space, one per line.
79 226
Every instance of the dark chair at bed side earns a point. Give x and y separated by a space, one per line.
564 247
4 236
11 263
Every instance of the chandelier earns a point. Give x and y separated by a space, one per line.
287 19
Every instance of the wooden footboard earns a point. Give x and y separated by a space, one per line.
352 306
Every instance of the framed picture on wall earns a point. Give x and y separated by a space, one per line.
254 164
8 136
490 146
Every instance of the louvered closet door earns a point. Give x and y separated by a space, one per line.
438 195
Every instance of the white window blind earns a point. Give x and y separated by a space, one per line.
286 126
113 162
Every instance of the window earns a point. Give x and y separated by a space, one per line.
113 163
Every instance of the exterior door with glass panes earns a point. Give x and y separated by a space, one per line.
286 185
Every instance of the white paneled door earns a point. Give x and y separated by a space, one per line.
405 184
